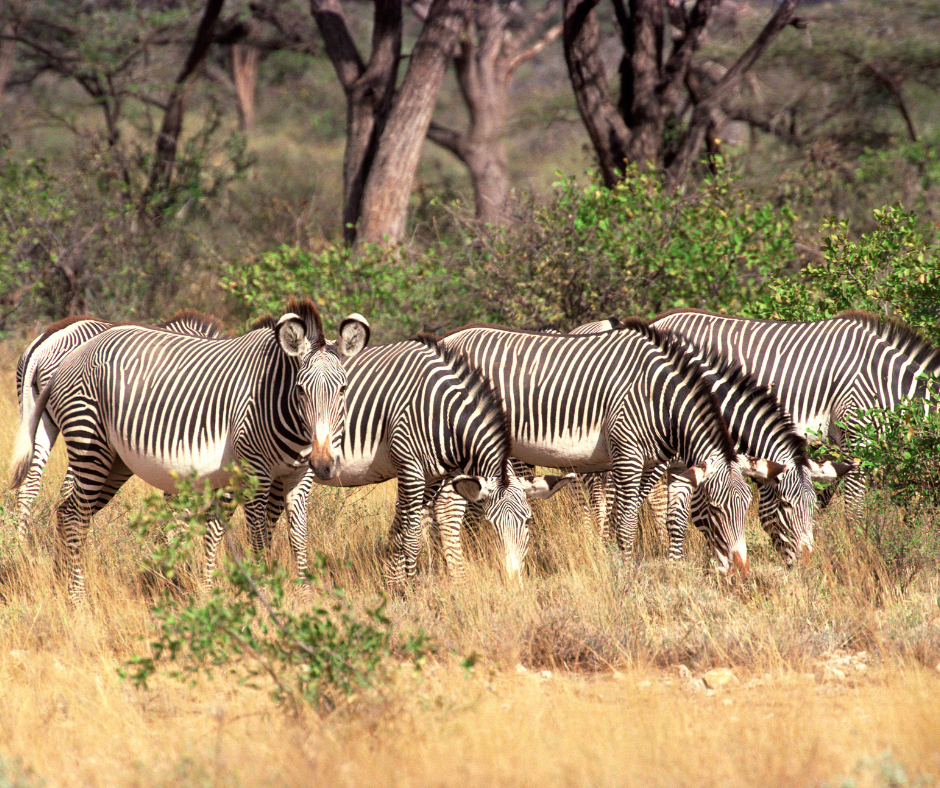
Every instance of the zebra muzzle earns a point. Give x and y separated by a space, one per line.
323 462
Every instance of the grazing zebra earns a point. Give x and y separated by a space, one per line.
417 412
35 368
626 401
822 372
135 399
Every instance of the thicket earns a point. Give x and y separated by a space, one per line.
246 625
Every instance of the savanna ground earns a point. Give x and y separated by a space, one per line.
595 672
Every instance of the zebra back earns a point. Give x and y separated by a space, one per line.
905 339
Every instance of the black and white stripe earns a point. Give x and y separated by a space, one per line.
151 402
821 372
626 401
417 412
35 368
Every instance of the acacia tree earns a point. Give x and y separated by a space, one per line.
384 126
658 89
498 39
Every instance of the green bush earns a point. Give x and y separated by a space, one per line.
245 625
400 292
634 249
892 271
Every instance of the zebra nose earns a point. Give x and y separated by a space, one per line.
741 565
323 462
806 554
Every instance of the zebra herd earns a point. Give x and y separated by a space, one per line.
702 400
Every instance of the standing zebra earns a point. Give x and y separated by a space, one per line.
159 404
625 401
35 368
822 372
417 412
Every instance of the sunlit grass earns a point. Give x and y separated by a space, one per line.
589 672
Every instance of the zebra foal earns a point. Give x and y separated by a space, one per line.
159 404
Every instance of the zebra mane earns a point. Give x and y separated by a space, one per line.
688 362
307 311
481 392
190 321
902 337
710 364
265 321
64 323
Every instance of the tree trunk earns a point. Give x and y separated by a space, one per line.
388 185
605 126
369 91
653 87
7 50
485 65
702 115
165 156
245 76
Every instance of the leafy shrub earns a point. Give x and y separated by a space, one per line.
893 270
245 625
634 249
399 292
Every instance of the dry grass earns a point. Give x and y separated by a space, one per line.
591 673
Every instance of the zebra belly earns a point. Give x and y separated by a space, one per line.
358 468
584 455
209 461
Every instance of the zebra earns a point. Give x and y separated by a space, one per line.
822 372
625 401
35 368
136 399
416 411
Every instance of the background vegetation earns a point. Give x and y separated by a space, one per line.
819 192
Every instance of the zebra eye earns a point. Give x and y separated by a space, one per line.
342 389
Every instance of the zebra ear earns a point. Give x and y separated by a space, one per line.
545 486
827 470
354 333
473 488
291 333
759 469
696 474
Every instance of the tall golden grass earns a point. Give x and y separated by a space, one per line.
593 672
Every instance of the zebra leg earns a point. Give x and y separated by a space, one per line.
73 516
768 508
256 514
597 505
298 491
679 497
654 493
626 476
447 514
405 536
46 434
215 530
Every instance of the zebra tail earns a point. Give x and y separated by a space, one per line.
26 434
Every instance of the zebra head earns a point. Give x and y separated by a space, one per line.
506 506
791 501
727 497
321 378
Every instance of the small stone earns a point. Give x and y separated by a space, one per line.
545 674
831 673
520 669
719 677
